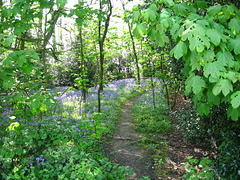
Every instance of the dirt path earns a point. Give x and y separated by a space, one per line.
123 144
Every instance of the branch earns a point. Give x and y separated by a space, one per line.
107 20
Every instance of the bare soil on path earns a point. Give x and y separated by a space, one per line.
124 148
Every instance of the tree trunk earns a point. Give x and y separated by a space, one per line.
101 46
1 18
83 83
134 48
166 88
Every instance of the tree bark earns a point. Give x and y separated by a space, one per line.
134 48
101 39
1 18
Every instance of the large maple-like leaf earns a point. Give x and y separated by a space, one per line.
234 25
180 9
179 50
235 99
224 86
195 83
196 43
161 39
203 108
214 36
234 113
213 69
225 58
235 45
213 10
150 13
140 30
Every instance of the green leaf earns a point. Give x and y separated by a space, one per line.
153 34
19 29
203 108
1 37
32 54
169 3
234 113
161 39
150 13
189 157
214 36
79 13
180 9
234 25
174 29
61 3
195 83
208 56
46 4
195 43
225 58
136 15
179 50
213 69
235 99
199 29
7 61
202 4
140 30
235 45
27 68
232 76
22 60
212 99
224 86
212 11
8 41
8 83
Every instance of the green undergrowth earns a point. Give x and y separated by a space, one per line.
65 143
153 124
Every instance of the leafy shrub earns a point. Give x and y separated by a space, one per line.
198 170
227 163
215 130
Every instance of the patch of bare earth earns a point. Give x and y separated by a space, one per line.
123 146
178 148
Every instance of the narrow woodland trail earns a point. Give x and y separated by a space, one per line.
124 146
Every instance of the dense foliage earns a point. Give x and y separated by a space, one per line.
49 132
66 142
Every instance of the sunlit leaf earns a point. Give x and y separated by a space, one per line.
235 45
224 86
225 58
213 69
179 50
235 99
214 36
195 83
213 10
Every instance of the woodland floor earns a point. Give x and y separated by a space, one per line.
124 149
